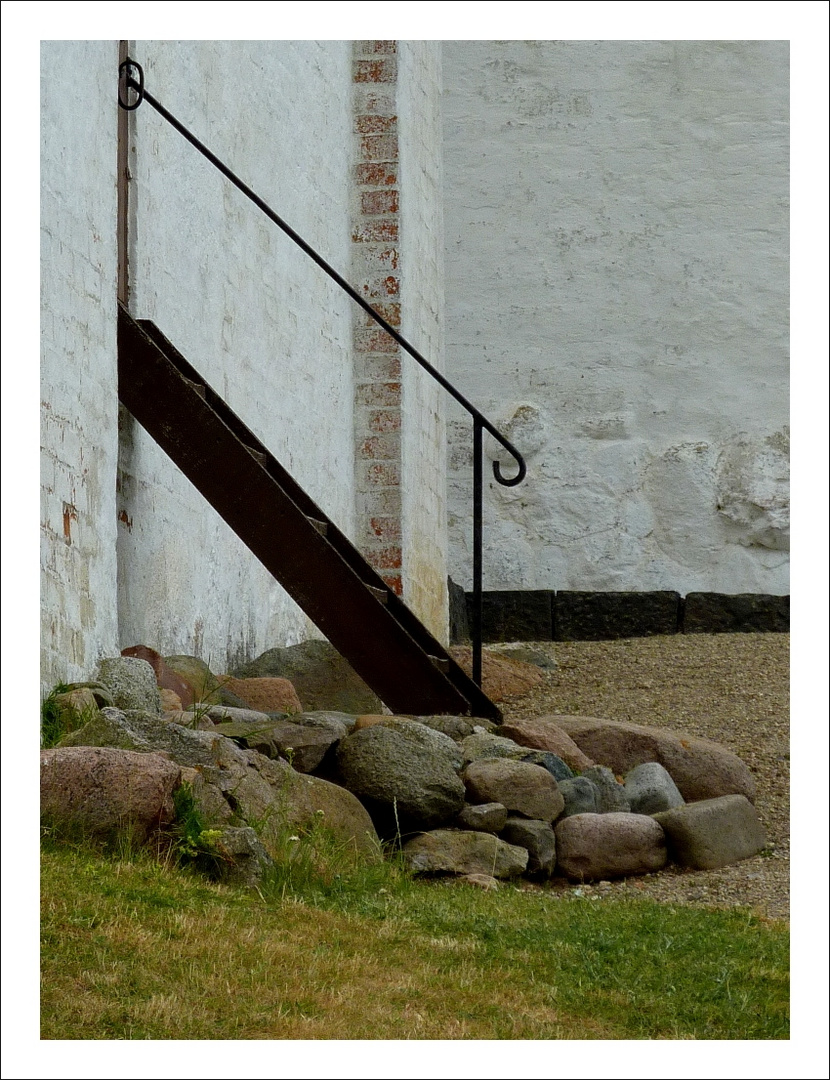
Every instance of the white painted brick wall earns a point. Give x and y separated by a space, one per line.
131 553
617 292
261 322
79 403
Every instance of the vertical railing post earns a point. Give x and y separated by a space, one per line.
477 571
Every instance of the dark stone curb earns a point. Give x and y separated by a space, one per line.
597 616
713 613
536 615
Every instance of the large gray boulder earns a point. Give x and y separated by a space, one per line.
450 851
100 791
302 802
225 714
276 800
700 768
133 729
482 744
311 798
404 773
457 727
524 789
340 723
320 675
131 682
650 789
236 856
712 833
209 799
429 738
303 746
591 847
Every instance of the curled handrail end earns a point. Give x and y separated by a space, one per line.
511 481
125 73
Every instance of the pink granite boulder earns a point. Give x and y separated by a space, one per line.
593 847
100 790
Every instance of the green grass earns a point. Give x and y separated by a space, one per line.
138 948
52 717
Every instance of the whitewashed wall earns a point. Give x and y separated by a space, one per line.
79 403
423 436
616 259
247 308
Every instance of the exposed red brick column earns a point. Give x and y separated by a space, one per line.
376 273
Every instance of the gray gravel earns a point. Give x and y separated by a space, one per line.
732 688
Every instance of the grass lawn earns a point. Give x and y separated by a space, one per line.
137 948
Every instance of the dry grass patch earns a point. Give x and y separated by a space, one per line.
232 967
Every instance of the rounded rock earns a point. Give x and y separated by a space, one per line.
132 683
650 789
524 789
591 847
405 775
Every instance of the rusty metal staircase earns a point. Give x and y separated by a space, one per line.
290 535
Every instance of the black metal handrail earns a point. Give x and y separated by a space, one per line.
480 421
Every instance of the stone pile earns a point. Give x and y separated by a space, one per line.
576 796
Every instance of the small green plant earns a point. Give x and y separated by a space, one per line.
313 864
207 696
193 841
199 710
60 717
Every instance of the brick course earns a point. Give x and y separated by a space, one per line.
376 274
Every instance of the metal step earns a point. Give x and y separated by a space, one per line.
321 526
292 537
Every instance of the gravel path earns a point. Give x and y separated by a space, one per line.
732 688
